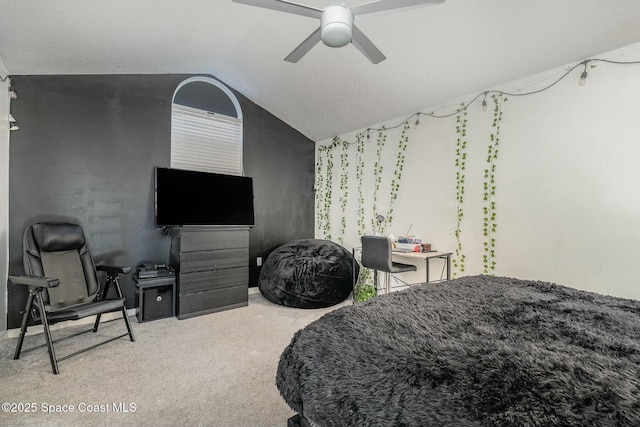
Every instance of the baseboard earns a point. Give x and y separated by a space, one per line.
35 329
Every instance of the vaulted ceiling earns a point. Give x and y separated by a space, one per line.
434 54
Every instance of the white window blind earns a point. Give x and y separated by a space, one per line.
205 141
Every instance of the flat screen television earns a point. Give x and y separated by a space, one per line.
191 198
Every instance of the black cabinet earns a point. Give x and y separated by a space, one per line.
155 298
212 269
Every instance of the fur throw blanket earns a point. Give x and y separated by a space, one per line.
475 351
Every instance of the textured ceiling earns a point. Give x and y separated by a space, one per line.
434 54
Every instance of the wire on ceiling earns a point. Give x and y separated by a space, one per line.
484 94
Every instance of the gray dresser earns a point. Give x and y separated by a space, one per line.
212 269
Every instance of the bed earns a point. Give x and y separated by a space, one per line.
475 351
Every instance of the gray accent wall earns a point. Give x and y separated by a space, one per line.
4 196
86 150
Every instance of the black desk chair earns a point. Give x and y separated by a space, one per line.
63 284
377 254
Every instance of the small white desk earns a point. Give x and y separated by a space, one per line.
426 256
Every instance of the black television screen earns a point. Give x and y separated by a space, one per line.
184 198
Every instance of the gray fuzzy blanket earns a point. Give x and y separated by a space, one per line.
477 351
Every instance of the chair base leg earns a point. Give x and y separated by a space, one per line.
128 323
385 286
49 340
34 296
97 323
23 326
47 336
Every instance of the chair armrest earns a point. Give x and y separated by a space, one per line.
112 277
113 269
40 282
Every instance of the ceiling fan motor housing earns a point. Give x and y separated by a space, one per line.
336 25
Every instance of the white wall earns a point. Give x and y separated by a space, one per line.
4 196
568 178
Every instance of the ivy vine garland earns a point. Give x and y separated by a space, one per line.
324 181
490 224
325 198
403 143
364 289
461 166
324 185
328 190
377 174
359 178
344 187
324 175
324 194
319 190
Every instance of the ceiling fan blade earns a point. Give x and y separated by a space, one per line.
284 6
380 5
304 47
366 46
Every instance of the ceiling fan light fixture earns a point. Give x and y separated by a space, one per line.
337 28
336 24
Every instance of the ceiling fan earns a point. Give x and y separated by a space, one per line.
336 23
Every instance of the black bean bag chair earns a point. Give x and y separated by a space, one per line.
307 273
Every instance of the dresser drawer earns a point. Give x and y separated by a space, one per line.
192 262
212 301
210 280
207 240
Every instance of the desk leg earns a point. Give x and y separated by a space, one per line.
427 268
353 273
449 267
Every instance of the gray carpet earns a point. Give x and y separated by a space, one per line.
477 351
213 370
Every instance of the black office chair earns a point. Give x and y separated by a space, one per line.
63 284
377 255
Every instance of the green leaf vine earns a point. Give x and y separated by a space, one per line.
344 186
364 289
461 167
377 173
490 224
320 194
325 198
359 177
403 143
325 178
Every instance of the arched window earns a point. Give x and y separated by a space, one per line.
206 127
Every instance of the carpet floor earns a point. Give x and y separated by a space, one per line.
213 370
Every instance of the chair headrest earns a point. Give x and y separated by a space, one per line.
58 236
